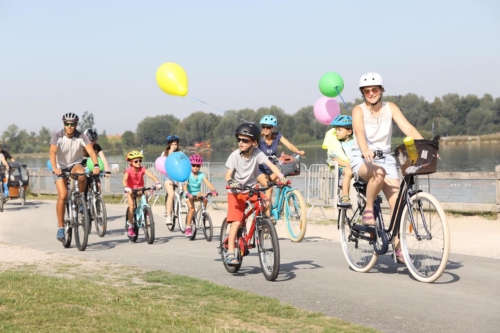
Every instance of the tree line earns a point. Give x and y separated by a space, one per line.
449 115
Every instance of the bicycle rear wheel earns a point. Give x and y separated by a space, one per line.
133 239
208 229
224 232
357 250
426 256
295 215
1 200
175 212
22 195
149 225
81 224
194 224
68 231
269 249
100 217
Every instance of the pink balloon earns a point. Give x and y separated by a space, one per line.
160 165
326 109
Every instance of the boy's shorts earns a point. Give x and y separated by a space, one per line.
236 204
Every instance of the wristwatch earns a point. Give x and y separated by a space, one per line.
96 166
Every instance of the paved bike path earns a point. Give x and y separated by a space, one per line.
313 274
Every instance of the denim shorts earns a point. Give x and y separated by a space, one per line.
388 163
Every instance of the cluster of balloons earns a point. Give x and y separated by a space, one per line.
326 108
172 79
176 166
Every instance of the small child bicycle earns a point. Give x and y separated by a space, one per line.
142 217
202 220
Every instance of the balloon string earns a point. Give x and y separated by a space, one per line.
342 98
223 111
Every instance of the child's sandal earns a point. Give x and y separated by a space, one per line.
368 218
230 258
344 201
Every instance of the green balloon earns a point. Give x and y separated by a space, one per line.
331 84
90 164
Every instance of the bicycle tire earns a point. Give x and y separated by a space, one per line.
269 249
183 209
132 239
68 231
224 231
426 258
100 216
22 195
194 229
295 215
1 201
81 222
208 228
149 225
358 252
175 212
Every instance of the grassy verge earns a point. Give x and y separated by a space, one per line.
84 296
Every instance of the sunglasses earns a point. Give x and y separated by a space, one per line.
196 165
171 138
70 124
267 127
137 161
243 140
373 90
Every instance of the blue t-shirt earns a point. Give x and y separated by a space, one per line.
194 183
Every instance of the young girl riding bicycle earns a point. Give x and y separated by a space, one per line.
133 177
192 188
242 169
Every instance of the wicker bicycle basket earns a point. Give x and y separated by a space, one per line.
427 158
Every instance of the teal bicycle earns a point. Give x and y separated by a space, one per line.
289 204
142 217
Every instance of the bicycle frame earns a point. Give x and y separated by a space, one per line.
139 211
279 198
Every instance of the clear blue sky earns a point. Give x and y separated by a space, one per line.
102 56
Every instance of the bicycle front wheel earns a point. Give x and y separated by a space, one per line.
149 225
224 233
295 215
269 249
68 231
81 224
22 195
208 229
183 210
100 217
426 241
175 212
357 249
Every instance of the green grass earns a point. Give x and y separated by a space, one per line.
110 299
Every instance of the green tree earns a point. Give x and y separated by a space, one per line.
44 136
86 121
128 139
154 130
199 126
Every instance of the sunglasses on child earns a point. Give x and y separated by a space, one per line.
70 124
196 165
136 161
267 127
243 140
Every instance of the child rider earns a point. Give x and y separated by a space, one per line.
242 169
192 188
133 177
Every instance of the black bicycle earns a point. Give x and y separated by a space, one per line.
95 204
418 219
76 215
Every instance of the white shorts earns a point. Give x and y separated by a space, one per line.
388 163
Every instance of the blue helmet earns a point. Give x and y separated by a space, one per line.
269 120
342 120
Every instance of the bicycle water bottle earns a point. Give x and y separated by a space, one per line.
411 149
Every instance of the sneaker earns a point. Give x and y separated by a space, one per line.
344 201
168 220
189 232
131 232
60 234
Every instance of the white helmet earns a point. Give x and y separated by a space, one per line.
371 79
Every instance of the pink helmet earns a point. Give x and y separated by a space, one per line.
196 159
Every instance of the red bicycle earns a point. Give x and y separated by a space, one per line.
261 234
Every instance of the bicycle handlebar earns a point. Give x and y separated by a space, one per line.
136 190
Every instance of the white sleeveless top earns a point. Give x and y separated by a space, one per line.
378 130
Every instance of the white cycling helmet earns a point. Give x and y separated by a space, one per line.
371 79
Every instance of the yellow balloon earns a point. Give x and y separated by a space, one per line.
172 79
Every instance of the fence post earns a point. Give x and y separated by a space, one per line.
497 185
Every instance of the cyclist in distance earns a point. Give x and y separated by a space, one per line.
92 135
372 124
268 144
66 155
172 146
242 169
192 188
133 177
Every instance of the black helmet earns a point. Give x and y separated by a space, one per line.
91 133
70 116
248 129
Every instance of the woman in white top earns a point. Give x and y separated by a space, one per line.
372 124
